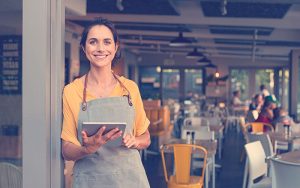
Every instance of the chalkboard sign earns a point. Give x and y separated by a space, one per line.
10 65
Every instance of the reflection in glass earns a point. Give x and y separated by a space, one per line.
11 86
239 82
170 84
193 83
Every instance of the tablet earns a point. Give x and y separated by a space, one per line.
92 128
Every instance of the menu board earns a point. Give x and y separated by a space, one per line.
10 65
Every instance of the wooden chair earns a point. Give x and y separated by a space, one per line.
256 127
160 128
182 161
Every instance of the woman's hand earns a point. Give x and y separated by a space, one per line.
93 143
130 141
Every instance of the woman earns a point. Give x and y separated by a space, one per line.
266 115
100 95
257 102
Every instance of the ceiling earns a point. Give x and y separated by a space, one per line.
266 29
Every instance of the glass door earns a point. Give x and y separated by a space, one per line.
11 85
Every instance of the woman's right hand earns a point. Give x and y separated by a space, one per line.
93 143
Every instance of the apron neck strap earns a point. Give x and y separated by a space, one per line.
84 103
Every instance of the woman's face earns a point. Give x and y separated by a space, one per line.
100 47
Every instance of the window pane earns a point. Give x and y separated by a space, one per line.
150 82
266 77
170 84
193 82
239 82
11 83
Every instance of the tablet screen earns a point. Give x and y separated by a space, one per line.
92 128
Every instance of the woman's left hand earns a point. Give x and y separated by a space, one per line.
130 141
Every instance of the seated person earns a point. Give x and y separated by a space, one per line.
257 103
236 101
266 115
281 117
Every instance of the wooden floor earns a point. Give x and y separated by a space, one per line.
230 175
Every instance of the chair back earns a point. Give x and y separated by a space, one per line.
10 176
257 127
264 140
285 174
256 157
182 161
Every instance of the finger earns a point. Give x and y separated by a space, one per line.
116 135
130 142
83 134
101 131
84 137
111 133
127 138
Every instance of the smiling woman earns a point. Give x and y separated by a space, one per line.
105 97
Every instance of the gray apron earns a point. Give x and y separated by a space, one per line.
109 167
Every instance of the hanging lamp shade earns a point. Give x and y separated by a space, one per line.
211 66
204 61
180 41
194 54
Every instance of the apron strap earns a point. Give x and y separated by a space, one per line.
123 86
84 103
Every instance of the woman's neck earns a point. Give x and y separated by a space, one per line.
101 77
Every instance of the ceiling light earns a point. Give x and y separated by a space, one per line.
211 66
217 74
194 54
223 7
180 41
204 61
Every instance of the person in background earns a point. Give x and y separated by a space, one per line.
264 90
257 102
236 101
281 116
101 95
266 115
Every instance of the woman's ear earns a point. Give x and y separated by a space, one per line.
117 46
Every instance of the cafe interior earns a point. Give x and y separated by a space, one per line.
219 80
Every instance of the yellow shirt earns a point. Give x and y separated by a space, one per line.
72 99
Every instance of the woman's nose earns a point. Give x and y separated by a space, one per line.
100 46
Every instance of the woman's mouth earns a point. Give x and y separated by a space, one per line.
100 56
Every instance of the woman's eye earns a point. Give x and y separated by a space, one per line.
107 42
92 42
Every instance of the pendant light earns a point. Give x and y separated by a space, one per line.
180 41
204 61
211 66
194 54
